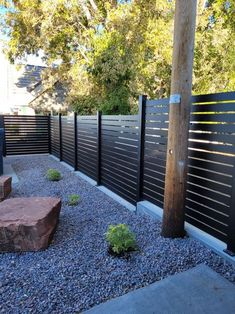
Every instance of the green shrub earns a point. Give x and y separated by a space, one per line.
73 199
53 175
120 239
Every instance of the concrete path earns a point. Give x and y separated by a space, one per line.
196 291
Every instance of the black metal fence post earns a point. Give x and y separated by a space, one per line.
1 150
49 133
142 112
60 136
231 224
98 178
75 143
1 121
2 126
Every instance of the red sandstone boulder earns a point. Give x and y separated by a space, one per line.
28 224
5 187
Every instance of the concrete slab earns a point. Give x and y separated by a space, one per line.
117 198
197 291
85 177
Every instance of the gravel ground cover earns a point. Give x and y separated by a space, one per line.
75 272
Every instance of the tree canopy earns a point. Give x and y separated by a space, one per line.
109 52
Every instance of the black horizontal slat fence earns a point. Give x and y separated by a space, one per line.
155 145
210 201
87 145
119 154
55 136
127 154
67 140
26 134
210 198
1 144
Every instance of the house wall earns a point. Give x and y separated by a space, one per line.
49 101
14 84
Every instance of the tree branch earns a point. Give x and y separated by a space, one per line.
94 6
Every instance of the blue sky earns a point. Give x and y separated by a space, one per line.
2 9
2 12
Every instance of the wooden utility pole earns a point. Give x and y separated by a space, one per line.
179 118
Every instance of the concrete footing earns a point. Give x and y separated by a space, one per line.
147 208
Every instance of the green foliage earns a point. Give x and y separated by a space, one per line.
112 51
117 101
120 238
85 105
53 175
73 199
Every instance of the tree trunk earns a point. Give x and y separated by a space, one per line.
179 117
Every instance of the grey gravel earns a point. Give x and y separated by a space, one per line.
76 272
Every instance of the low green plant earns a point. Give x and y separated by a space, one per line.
73 199
53 175
120 239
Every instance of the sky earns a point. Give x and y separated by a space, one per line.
36 60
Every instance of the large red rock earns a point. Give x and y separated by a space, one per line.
28 224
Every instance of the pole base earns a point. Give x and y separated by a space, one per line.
173 235
231 253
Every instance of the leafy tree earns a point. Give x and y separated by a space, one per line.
214 66
109 52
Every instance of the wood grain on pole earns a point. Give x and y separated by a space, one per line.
179 118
